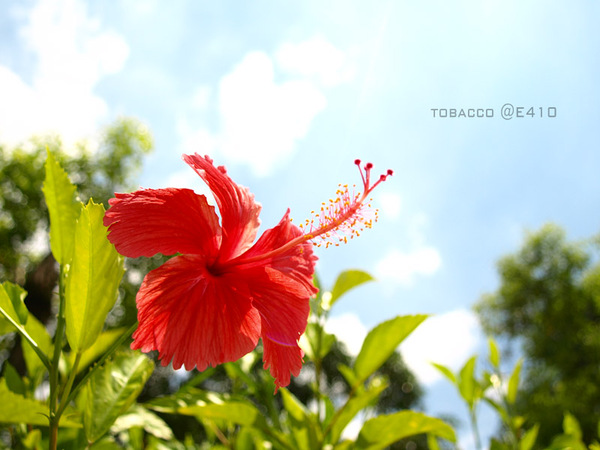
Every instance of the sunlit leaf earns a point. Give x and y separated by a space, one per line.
446 372
138 416
494 353
18 409
94 277
528 440
571 426
513 383
346 281
12 301
355 404
467 384
381 342
384 430
63 209
111 390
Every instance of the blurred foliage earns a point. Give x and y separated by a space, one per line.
549 303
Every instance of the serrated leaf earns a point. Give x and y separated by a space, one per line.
12 301
346 281
381 342
63 209
446 372
18 409
93 281
513 384
111 391
384 430
494 353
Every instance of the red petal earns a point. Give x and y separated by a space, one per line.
283 361
239 211
193 317
281 287
166 221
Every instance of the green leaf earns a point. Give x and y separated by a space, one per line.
37 331
446 372
571 426
384 430
354 405
304 428
93 281
14 382
467 384
381 342
63 209
138 416
98 348
513 384
18 409
346 281
528 440
111 390
233 411
319 341
12 301
494 353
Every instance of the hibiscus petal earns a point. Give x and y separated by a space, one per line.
166 221
239 212
193 317
281 287
282 361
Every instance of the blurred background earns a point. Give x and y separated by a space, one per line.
287 94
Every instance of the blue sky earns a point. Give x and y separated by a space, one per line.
288 94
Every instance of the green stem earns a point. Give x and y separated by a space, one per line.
28 338
53 371
473 417
67 387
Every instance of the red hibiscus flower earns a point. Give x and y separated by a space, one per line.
212 302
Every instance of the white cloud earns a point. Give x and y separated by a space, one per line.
316 58
261 120
349 329
73 53
267 104
404 267
449 339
